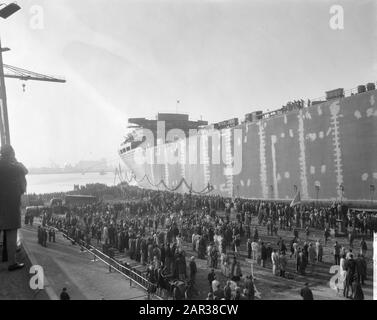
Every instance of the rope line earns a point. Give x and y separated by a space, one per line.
118 174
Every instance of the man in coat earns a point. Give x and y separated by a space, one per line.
363 247
64 295
211 277
249 285
350 276
282 264
12 186
227 291
360 269
263 255
336 253
193 270
306 293
358 291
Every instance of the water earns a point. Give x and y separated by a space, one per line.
48 183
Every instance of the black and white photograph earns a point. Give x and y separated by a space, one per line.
199 151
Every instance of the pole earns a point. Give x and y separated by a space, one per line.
317 190
5 247
4 124
317 198
371 188
191 197
374 265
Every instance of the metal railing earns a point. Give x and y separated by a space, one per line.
306 104
127 272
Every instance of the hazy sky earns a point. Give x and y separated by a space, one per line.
124 59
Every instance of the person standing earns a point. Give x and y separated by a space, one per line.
298 259
351 237
275 261
350 276
12 186
302 262
360 269
342 274
64 295
39 232
305 250
364 271
295 233
326 235
306 293
193 270
256 235
319 250
269 227
249 284
50 235
283 264
307 232
218 293
263 255
254 250
227 291
282 246
44 237
211 278
295 249
312 256
363 247
249 248
358 291
177 295
336 253
193 241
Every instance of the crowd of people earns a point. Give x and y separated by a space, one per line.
294 105
155 227
45 233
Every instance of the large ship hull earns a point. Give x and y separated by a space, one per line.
326 151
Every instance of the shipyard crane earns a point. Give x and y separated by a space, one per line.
7 71
22 74
6 10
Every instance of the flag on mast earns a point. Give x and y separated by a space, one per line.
296 200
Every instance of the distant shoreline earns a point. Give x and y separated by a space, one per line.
73 172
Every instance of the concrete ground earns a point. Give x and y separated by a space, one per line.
15 285
65 265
